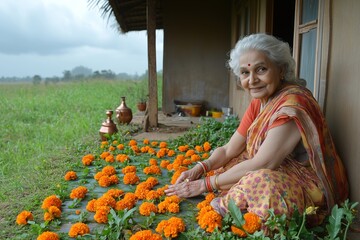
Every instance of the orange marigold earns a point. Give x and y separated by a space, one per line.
48 217
104 181
128 169
145 235
52 200
171 228
207 146
104 200
78 229
115 193
101 214
146 208
120 146
87 159
161 153
122 158
152 181
162 207
205 156
112 148
154 143
189 153
91 205
109 170
110 158
195 158
132 142
131 178
199 149
113 179
210 220
171 153
48 236
55 211
146 141
152 195
152 170
24 217
252 224
152 161
103 155
173 208
183 148
164 163
70 175
78 192
163 144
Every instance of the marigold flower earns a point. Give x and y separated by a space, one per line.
104 200
128 169
146 141
115 193
78 229
98 175
173 208
187 161
77 212
152 170
120 146
103 155
132 142
146 208
199 149
152 181
91 205
48 216
173 199
87 159
145 235
101 214
48 236
122 158
205 156
171 153
135 149
70 175
152 161
104 181
112 148
189 153
154 143
163 144
207 146
183 148
131 178
252 224
24 217
109 170
164 163
144 149
52 200
171 228
78 192
210 220
161 153
162 207
152 195
195 158
110 158
55 211
113 179
151 151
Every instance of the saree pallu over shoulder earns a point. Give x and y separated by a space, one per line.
298 103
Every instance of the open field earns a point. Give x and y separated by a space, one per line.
43 129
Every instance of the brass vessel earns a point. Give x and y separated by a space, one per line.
108 127
123 112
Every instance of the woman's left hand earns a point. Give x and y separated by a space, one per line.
186 189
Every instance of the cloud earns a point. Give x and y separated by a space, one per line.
63 32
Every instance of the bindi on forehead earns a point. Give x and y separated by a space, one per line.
249 64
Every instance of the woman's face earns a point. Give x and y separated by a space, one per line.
259 75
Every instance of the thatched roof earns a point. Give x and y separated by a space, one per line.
129 14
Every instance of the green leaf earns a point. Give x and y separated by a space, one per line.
334 225
236 214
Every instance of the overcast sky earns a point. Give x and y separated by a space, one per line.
47 37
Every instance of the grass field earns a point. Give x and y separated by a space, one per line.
43 129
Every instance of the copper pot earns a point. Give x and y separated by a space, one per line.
108 127
123 113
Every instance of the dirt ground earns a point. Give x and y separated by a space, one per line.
169 127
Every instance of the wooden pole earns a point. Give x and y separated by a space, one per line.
151 36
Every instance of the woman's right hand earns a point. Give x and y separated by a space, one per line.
191 174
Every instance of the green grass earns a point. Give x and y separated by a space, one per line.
44 129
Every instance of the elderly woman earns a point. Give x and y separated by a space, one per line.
282 154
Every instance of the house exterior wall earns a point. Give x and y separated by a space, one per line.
343 88
196 46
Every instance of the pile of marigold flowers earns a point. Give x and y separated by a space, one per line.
123 175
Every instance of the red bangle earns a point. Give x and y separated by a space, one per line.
208 184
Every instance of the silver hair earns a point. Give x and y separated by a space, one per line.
276 50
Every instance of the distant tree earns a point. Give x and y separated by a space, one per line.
81 71
36 79
67 75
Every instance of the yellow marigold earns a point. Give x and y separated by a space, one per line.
120 146
24 217
171 228
152 170
78 192
109 170
199 149
164 163
122 158
152 181
195 158
104 181
115 193
112 148
87 159
103 155
128 169
52 200
78 229
154 143
189 153
145 235
152 161
70 175
152 195
91 205
104 200
131 178
146 141
110 158
48 236
146 208
132 142
171 153
210 220
173 208
207 146
101 214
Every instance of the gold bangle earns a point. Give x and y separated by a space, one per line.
217 182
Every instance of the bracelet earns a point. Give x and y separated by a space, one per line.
208 184
202 166
217 182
